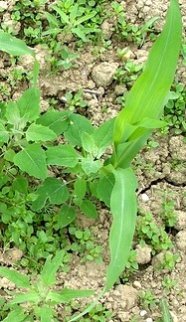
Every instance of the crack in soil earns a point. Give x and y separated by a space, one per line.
159 180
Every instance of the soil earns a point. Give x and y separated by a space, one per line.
160 171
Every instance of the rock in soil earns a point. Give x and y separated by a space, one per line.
103 73
143 254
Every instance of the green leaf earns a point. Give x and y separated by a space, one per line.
50 268
9 155
53 190
88 143
165 311
26 297
13 114
32 159
123 208
67 295
37 132
62 155
64 17
19 279
13 46
4 135
57 121
103 136
89 209
104 188
20 184
65 216
89 165
84 18
80 188
51 19
148 95
29 104
45 313
17 315
77 125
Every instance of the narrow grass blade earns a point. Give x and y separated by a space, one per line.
165 312
147 97
124 209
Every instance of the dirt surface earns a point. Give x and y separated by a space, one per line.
161 171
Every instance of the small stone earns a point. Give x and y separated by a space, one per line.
177 148
181 240
143 313
27 61
103 73
149 320
107 29
91 84
158 260
15 254
181 220
120 90
144 197
137 284
128 296
143 254
3 6
174 317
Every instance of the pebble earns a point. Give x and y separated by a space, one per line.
144 197
103 73
137 284
181 240
181 220
3 6
143 254
143 313
149 320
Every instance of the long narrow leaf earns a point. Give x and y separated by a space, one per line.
15 277
147 97
15 316
124 209
165 311
50 268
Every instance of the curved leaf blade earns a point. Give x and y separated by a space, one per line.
15 277
147 97
124 208
13 45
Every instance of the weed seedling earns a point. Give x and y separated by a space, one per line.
38 293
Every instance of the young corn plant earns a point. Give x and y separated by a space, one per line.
29 143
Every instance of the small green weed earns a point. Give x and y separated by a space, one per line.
38 293
148 230
168 283
127 31
168 261
148 299
168 213
174 113
75 101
